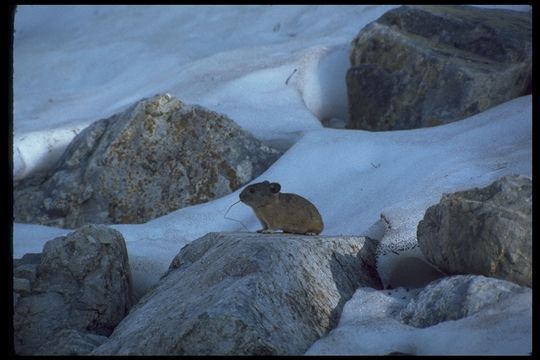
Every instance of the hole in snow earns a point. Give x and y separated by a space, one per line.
412 272
322 84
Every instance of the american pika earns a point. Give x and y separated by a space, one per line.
280 211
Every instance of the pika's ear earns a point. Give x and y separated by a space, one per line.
275 187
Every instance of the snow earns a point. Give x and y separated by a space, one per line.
76 64
369 326
277 71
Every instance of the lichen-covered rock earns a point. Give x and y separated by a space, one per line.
80 282
247 294
419 66
456 297
156 157
485 231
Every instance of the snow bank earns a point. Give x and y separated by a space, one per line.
352 177
368 326
28 154
77 64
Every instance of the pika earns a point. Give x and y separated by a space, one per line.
281 211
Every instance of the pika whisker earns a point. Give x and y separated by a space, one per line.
228 218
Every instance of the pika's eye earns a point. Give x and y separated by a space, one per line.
252 190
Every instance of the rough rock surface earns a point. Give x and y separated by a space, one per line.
496 320
419 66
157 156
456 297
80 282
71 342
247 294
485 231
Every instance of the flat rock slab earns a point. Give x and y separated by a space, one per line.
247 294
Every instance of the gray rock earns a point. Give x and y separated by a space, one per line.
372 324
82 282
21 286
419 66
156 157
247 294
71 342
29 258
456 297
485 231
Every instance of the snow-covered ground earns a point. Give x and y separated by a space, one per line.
368 327
277 71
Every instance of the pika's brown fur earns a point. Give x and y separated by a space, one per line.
281 211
